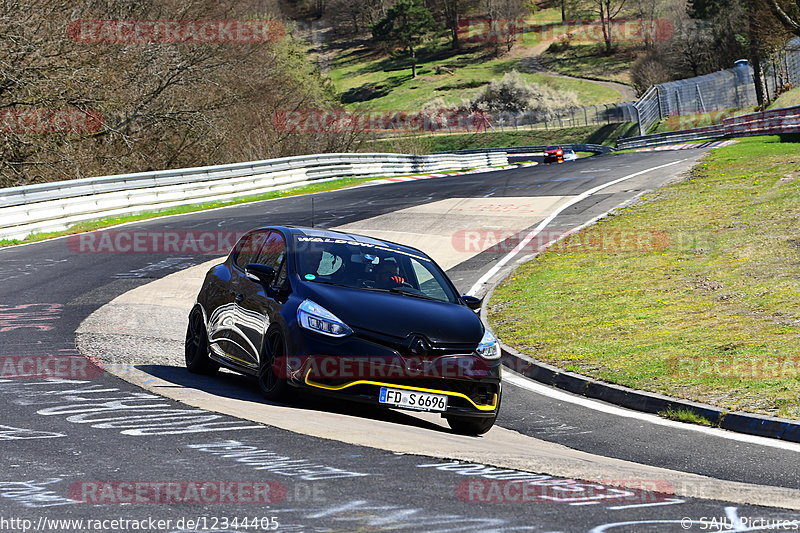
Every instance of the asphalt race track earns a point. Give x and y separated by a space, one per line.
78 449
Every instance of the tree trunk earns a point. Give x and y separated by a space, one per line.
755 56
413 62
604 13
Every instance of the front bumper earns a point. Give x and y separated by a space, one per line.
356 369
367 391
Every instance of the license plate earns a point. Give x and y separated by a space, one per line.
421 401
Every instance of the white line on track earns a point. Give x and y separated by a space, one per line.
544 390
543 224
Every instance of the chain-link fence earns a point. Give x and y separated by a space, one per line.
592 115
732 88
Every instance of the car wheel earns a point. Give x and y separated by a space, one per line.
273 386
467 425
196 346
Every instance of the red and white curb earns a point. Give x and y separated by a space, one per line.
687 146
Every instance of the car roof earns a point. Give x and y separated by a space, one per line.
332 234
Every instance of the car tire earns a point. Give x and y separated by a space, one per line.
468 425
196 347
273 387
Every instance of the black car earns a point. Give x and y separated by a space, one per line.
347 315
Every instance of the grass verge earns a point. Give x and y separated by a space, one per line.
788 99
685 415
693 292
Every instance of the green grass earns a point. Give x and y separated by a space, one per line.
709 310
685 415
370 81
697 120
589 61
606 135
787 99
113 221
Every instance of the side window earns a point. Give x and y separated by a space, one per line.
246 249
428 283
272 251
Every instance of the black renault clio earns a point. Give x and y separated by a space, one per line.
348 315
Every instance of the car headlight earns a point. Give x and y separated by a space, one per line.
489 347
313 316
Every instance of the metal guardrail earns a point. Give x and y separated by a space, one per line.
776 121
595 148
49 207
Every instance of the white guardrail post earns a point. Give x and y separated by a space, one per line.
49 207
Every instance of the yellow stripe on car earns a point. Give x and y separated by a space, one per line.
480 407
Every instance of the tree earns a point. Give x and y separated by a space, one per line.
163 104
504 15
406 26
452 11
607 11
787 14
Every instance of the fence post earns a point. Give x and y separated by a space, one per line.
700 97
639 120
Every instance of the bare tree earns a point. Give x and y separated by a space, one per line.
163 104
787 14
607 11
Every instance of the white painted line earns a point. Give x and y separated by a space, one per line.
543 224
544 390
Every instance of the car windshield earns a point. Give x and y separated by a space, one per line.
370 266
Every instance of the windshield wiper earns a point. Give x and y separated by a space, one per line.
326 282
404 291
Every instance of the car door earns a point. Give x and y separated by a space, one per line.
228 323
259 303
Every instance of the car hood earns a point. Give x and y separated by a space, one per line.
397 315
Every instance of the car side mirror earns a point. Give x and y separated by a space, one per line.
472 302
259 273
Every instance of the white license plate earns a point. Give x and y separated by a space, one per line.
421 401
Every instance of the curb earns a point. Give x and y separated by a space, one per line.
646 402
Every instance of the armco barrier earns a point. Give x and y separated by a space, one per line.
774 122
55 206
